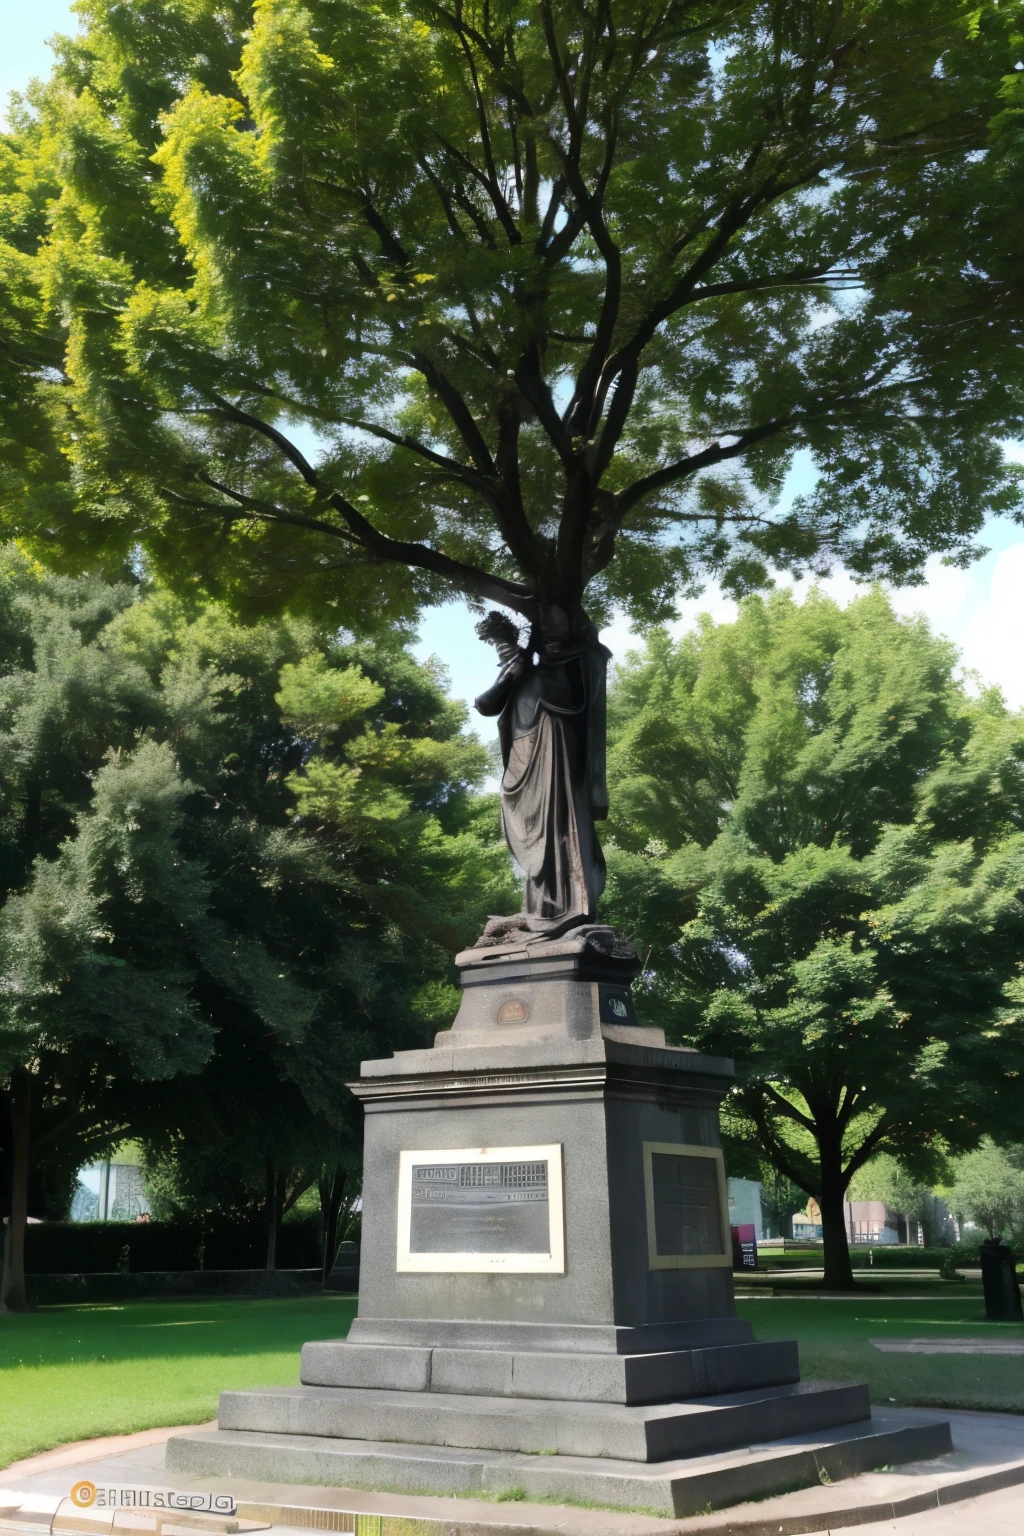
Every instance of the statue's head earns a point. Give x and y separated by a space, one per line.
498 629
501 632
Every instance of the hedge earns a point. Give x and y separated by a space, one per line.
99 1247
61 1290
884 1256
893 1256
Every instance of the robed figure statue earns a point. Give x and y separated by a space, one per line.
550 701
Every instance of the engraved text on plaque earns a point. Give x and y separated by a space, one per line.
687 1213
481 1209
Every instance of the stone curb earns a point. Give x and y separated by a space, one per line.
860 1514
369 1523
76 1451
307 1517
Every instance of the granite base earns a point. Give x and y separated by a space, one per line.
608 1365
684 1486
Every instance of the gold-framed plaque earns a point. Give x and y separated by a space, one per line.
687 1207
481 1210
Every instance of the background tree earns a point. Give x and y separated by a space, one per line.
988 1189
348 861
238 846
905 1198
98 912
781 1199
817 841
376 303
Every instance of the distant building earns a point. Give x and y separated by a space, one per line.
111 1191
867 1221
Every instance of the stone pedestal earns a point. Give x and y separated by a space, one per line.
545 1294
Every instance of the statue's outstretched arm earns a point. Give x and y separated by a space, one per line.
494 699
498 630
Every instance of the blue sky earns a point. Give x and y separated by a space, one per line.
24 28
980 609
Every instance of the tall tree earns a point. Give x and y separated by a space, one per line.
348 859
817 841
235 858
376 303
95 909
97 954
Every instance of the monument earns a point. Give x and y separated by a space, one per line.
545 1296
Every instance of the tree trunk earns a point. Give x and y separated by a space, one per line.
5 1263
14 1297
838 1269
32 823
332 1190
271 1215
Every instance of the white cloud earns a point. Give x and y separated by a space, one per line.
981 609
991 639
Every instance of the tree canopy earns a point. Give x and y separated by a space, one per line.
236 860
818 839
359 305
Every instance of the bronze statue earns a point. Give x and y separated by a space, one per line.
550 701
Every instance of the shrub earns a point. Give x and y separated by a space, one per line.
98 1247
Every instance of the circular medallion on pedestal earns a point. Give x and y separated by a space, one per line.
515 1011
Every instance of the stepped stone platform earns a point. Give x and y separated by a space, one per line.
546 1294
683 1486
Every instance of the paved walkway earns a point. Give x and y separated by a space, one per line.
949 1346
989 1449
995 1514
81 1453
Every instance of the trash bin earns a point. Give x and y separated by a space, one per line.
999 1282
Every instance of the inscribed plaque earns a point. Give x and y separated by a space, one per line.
479 1209
687 1210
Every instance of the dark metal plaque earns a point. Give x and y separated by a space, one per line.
687 1206
616 1005
480 1208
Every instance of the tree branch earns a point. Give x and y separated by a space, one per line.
682 468
461 471
624 365
867 1148
498 202
390 244
465 578
826 277
251 507
784 1107
579 415
784 1157
462 417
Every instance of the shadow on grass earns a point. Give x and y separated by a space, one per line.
165 1330
835 1338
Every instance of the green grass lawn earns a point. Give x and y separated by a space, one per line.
72 1373
834 1344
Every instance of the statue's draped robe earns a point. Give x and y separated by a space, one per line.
551 727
